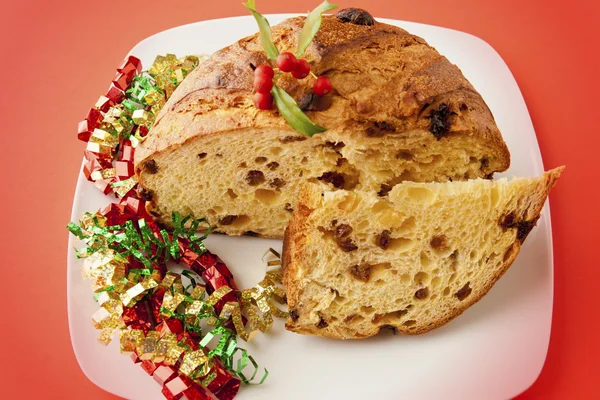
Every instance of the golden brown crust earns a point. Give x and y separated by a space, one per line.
400 90
293 286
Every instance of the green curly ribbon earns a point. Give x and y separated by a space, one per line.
137 240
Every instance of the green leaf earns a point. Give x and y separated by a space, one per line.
312 25
266 40
289 109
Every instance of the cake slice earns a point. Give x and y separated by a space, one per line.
354 263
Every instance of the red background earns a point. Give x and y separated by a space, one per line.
58 56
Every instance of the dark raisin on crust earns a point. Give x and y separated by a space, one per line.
485 162
439 242
335 178
463 292
255 177
277 183
201 155
322 324
383 240
294 315
228 220
361 272
439 120
273 165
251 233
356 16
289 139
422 293
144 193
523 229
388 327
151 167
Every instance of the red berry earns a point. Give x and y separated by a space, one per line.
301 70
322 86
263 84
286 61
264 70
263 101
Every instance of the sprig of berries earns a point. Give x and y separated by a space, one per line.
266 91
264 76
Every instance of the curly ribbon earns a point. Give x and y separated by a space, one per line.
160 319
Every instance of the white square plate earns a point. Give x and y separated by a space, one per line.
494 351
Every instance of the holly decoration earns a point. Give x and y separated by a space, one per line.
265 85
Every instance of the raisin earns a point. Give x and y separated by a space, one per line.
356 16
289 139
485 162
389 327
201 155
346 244
361 272
251 233
255 177
439 242
384 239
343 230
463 292
288 207
508 221
273 165
228 220
277 183
145 194
322 324
335 178
422 293
294 315
523 229
439 123
151 167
